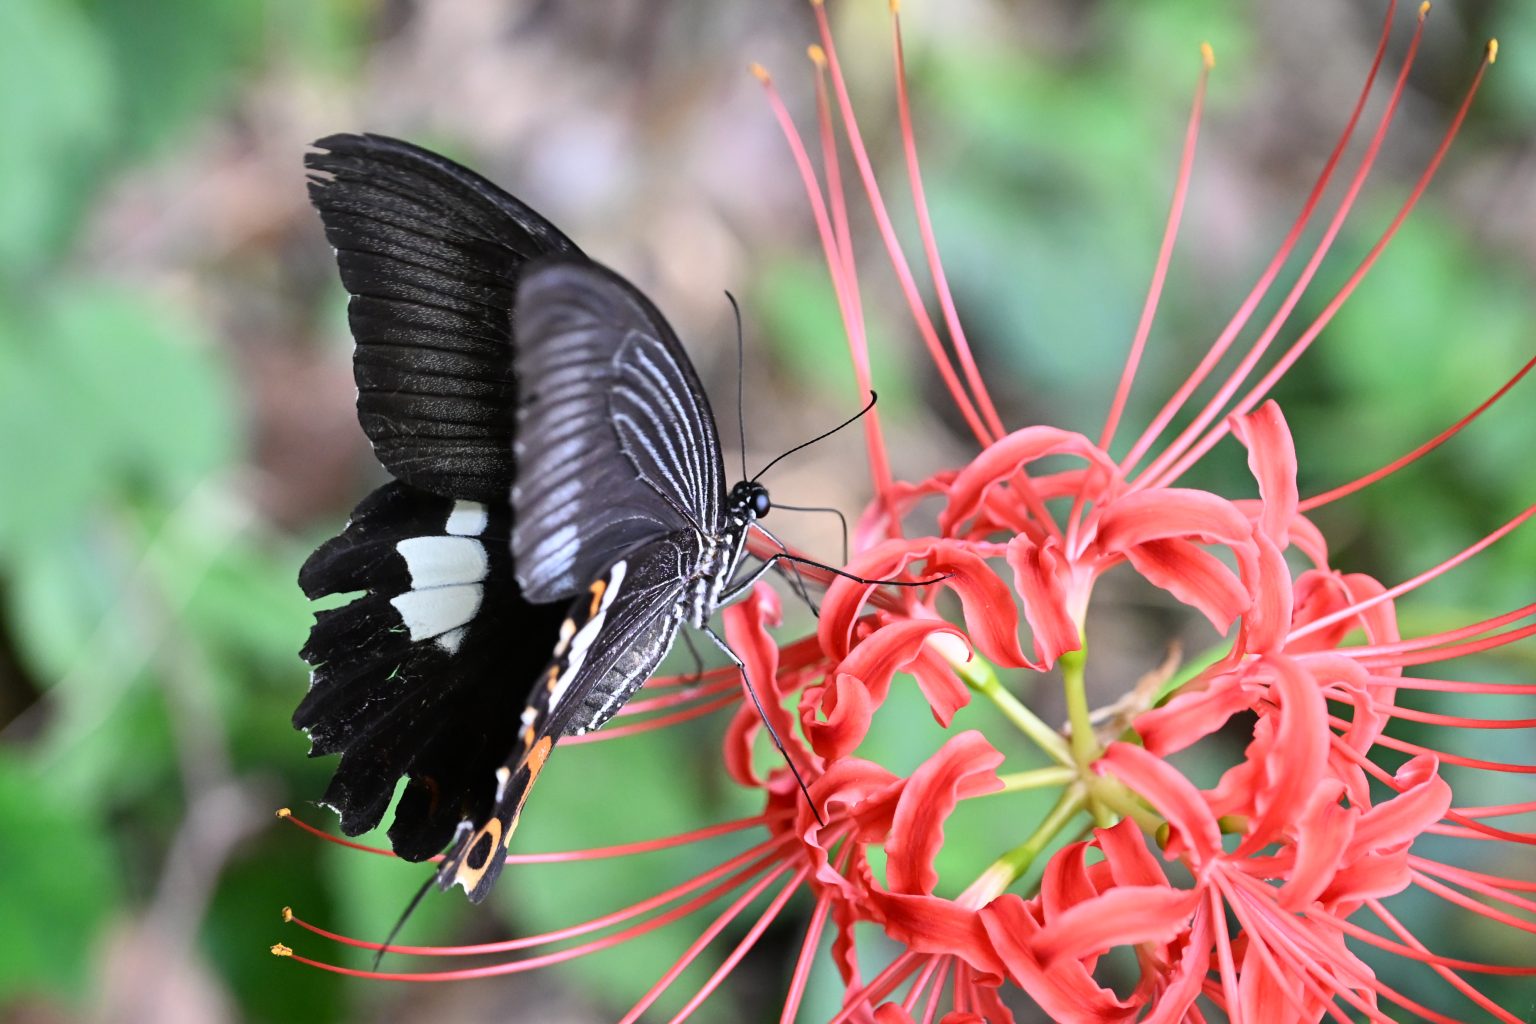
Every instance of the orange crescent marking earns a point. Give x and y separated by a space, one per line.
554 678
468 876
597 597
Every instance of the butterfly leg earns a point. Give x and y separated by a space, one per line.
752 692
693 651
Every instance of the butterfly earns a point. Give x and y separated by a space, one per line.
558 509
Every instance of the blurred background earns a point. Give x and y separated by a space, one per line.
177 432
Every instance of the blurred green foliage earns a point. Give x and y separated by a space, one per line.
150 614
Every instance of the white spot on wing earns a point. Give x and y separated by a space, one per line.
429 613
452 640
443 561
468 519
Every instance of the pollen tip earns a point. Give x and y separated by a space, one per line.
1424 10
284 812
287 915
1493 51
760 72
1207 55
895 6
816 3
278 949
817 54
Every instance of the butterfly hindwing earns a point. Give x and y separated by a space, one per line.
615 635
424 671
616 444
431 254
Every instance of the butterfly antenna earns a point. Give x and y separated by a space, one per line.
741 375
786 557
821 508
820 437
410 909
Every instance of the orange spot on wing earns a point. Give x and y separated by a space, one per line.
597 597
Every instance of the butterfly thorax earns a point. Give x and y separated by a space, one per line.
720 554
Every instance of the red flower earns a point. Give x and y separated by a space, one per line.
1251 895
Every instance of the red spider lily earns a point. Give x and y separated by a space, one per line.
1251 897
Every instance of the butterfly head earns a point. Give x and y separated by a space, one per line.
749 500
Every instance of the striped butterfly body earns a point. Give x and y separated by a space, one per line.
558 511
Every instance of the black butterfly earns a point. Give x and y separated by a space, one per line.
559 508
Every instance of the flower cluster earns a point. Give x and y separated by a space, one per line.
1251 897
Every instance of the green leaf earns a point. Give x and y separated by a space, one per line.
176 59
58 889
56 117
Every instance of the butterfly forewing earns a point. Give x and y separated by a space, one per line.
616 446
430 253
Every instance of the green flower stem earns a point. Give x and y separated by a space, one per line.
1011 866
1113 795
1085 746
982 678
1038 778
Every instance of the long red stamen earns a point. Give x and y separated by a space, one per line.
1164 251
896 972
1393 593
652 724
1344 490
1255 295
767 917
534 963
847 304
694 948
1458 983
1258 392
925 232
893 248
809 945
1191 442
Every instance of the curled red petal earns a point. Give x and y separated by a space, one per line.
991 616
1170 512
847 705
1174 797
1268 618
1422 799
1122 916
940 687
1066 991
1126 853
930 924
965 766
1272 459
1002 459
1194 576
1040 574
1194 715
1294 762
861 682
1066 881
1323 833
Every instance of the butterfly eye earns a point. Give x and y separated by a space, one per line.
760 502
